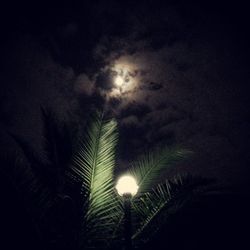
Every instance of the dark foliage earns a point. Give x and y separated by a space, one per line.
46 200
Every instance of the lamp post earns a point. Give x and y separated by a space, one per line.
127 188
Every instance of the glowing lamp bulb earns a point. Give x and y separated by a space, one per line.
126 185
118 81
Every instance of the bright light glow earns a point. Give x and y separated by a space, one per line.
127 185
119 81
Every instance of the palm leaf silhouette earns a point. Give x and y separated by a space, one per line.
150 166
57 149
40 177
102 209
94 164
50 164
153 208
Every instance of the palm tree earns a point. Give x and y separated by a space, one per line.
41 183
101 209
57 186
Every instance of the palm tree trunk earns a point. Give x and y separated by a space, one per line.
127 222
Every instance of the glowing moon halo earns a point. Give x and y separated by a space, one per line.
125 79
119 81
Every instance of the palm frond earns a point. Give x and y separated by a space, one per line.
35 195
50 163
94 164
38 176
149 167
153 208
57 148
38 165
57 140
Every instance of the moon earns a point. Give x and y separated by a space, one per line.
119 81
126 78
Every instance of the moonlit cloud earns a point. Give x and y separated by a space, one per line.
178 82
130 120
181 87
83 85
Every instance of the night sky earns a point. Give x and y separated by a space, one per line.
183 69
173 73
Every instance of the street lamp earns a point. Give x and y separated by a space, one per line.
127 187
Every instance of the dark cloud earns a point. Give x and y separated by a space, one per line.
32 80
104 80
186 82
84 85
135 109
154 86
190 94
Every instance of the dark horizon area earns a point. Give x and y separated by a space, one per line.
171 73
